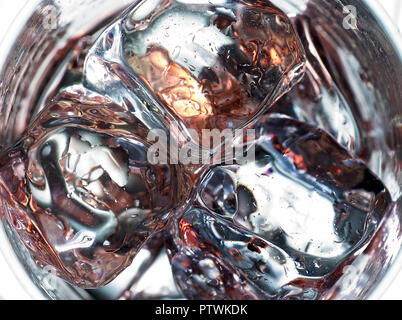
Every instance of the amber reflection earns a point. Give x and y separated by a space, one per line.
202 104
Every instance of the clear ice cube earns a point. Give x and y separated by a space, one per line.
304 195
80 192
210 65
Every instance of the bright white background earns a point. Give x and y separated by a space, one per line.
8 11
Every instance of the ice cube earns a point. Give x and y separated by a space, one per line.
80 192
209 64
304 194
213 259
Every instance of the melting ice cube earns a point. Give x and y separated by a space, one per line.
208 64
80 191
304 195
303 191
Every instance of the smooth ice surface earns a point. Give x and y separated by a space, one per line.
210 65
80 191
